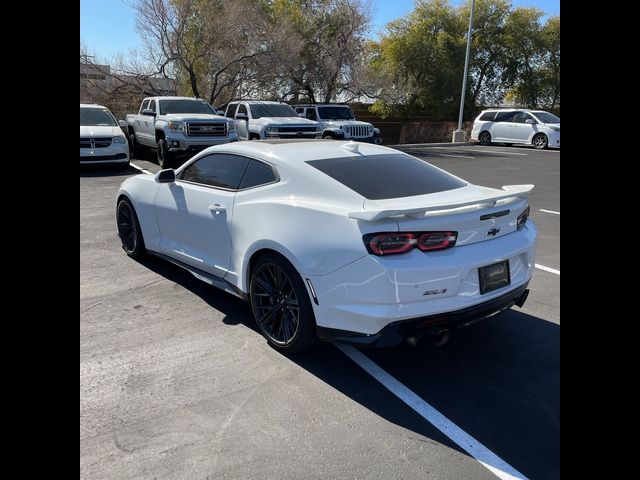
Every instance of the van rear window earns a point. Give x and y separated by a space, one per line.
378 177
487 116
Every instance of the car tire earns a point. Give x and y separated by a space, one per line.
281 305
135 149
328 136
540 141
165 158
129 229
484 138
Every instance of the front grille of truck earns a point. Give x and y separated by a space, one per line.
208 129
293 130
359 131
95 142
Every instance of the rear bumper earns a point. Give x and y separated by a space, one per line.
395 333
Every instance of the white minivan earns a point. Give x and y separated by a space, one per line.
529 127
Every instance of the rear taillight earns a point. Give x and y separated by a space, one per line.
401 242
522 218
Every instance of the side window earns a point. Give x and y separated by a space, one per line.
311 113
521 117
145 105
257 173
152 105
231 112
218 170
504 116
299 110
487 116
242 108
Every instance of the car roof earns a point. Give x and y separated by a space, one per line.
260 101
173 97
295 151
320 105
91 105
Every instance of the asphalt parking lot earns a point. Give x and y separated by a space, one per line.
175 381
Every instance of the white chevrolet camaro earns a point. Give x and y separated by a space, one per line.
336 240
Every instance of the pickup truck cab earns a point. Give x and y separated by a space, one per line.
339 122
177 127
256 120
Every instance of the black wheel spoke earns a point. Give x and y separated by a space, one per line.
275 304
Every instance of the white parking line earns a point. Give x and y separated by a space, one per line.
477 149
548 269
549 211
143 170
486 457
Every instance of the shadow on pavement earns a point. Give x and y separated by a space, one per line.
498 380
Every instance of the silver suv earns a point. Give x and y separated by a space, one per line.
339 122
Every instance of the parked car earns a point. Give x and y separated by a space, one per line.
529 127
257 120
101 139
336 240
176 128
339 122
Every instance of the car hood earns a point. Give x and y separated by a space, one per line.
99 131
347 123
186 117
286 121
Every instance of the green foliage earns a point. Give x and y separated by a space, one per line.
419 61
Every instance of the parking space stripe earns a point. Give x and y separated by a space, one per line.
482 454
143 170
549 211
548 269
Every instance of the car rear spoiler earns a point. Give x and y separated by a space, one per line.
509 191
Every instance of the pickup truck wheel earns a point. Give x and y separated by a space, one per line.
165 159
135 149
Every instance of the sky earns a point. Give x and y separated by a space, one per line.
107 27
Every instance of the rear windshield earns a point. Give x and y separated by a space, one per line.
185 106
378 177
259 110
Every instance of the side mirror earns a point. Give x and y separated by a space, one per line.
301 115
530 121
241 116
149 112
166 176
122 124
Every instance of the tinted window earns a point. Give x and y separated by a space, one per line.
97 116
231 113
547 117
259 110
145 105
377 177
242 108
311 113
336 113
257 173
504 116
521 117
487 116
152 106
185 106
218 170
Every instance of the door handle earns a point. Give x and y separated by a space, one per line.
217 208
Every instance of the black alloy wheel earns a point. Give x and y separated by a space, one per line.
281 304
129 229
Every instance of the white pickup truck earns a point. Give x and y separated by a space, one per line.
256 120
177 127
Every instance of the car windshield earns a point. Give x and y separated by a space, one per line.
97 117
185 106
336 113
259 110
546 117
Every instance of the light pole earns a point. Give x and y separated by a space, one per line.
458 135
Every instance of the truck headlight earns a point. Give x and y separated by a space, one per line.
231 127
271 129
119 139
175 126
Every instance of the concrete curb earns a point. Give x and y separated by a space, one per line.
448 144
